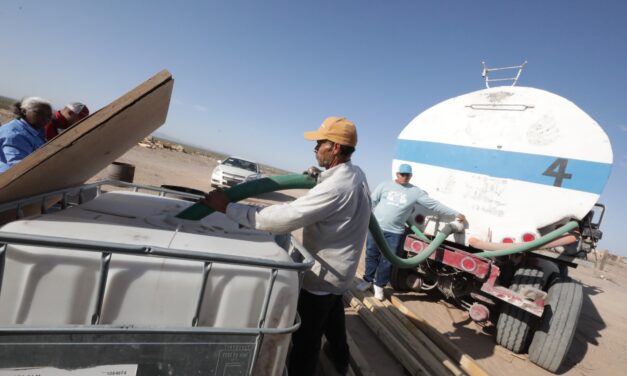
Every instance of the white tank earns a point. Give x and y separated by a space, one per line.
54 287
512 159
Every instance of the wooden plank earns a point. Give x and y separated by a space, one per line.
466 363
379 358
89 146
404 356
423 339
437 365
326 367
421 354
358 362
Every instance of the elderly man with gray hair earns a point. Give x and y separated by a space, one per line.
22 136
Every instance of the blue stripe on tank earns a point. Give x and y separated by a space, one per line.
580 175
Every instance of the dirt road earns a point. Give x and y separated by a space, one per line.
600 346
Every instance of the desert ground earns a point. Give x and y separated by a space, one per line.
600 344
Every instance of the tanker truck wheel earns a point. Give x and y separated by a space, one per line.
515 326
558 325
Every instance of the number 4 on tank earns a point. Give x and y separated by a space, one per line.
557 169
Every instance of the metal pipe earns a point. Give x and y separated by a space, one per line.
131 249
533 244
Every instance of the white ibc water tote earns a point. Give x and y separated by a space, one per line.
512 159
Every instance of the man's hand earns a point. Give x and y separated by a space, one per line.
460 217
313 172
216 200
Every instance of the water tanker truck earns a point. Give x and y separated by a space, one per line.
526 167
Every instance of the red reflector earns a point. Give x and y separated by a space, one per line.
420 219
528 237
417 246
468 264
507 240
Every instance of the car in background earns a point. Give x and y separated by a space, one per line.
233 171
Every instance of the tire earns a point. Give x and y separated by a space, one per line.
514 326
556 331
398 279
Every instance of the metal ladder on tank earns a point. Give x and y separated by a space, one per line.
486 74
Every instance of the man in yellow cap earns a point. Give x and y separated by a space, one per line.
334 215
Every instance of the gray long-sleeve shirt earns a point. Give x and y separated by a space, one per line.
334 214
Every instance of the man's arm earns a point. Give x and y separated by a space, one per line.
281 218
430 203
375 197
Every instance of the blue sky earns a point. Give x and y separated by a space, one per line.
252 76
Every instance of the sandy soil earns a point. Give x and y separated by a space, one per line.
600 346
5 116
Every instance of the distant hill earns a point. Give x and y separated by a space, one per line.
7 103
6 116
167 139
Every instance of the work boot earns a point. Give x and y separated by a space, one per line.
378 293
364 286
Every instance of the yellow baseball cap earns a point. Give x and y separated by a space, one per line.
337 129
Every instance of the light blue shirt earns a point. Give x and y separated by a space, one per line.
17 140
392 205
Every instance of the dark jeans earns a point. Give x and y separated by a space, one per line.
377 263
320 314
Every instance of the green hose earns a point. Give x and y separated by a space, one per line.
276 183
252 188
533 244
419 233
517 249
413 262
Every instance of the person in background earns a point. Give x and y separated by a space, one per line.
24 135
335 216
64 118
392 204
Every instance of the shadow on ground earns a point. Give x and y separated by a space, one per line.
588 330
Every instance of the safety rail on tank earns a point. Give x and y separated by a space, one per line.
107 249
80 194
486 74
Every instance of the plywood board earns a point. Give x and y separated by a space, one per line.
82 151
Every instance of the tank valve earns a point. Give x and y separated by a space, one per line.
457 226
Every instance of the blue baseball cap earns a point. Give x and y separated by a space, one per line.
404 169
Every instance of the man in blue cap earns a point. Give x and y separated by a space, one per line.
392 204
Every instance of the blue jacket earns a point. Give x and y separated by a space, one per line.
17 140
